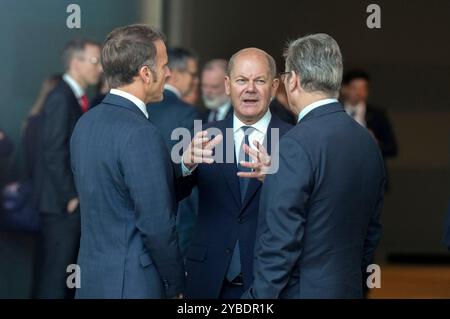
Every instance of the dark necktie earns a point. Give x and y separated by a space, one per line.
243 182
234 269
213 116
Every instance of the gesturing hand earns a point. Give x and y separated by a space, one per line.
200 150
261 163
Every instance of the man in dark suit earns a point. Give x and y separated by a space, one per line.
318 224
172 113
219 261
56 196
214 95
125 179
355 94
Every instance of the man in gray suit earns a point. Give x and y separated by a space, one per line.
319 214
125 179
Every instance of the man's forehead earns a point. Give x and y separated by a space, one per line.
243 64
92 48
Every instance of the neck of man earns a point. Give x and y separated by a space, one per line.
306 98
77 79
134 89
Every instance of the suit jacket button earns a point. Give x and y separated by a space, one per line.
228 250
240 220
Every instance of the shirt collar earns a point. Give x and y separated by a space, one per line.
138 102
314 105
76 88
260 126
172 89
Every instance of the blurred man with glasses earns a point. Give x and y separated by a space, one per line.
56 196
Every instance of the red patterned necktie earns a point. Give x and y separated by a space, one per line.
84 103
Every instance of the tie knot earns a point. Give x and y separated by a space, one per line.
247 129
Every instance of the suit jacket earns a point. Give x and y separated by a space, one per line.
125 180
167 115
222 220
54 179
318 225
378 122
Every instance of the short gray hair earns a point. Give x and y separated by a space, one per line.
317 60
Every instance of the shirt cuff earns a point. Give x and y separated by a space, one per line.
186 171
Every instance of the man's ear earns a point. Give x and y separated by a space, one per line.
293 82
227 85
145 74
275 84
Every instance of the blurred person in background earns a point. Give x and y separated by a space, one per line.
193 96
213 91
56 197
33 127
19 191
355 94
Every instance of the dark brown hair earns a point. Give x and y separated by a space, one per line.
126 50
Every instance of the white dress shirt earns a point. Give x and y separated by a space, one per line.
77 90
314 105
258 134
138 102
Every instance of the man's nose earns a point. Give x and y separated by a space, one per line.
250 86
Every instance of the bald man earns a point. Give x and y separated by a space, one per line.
219 260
